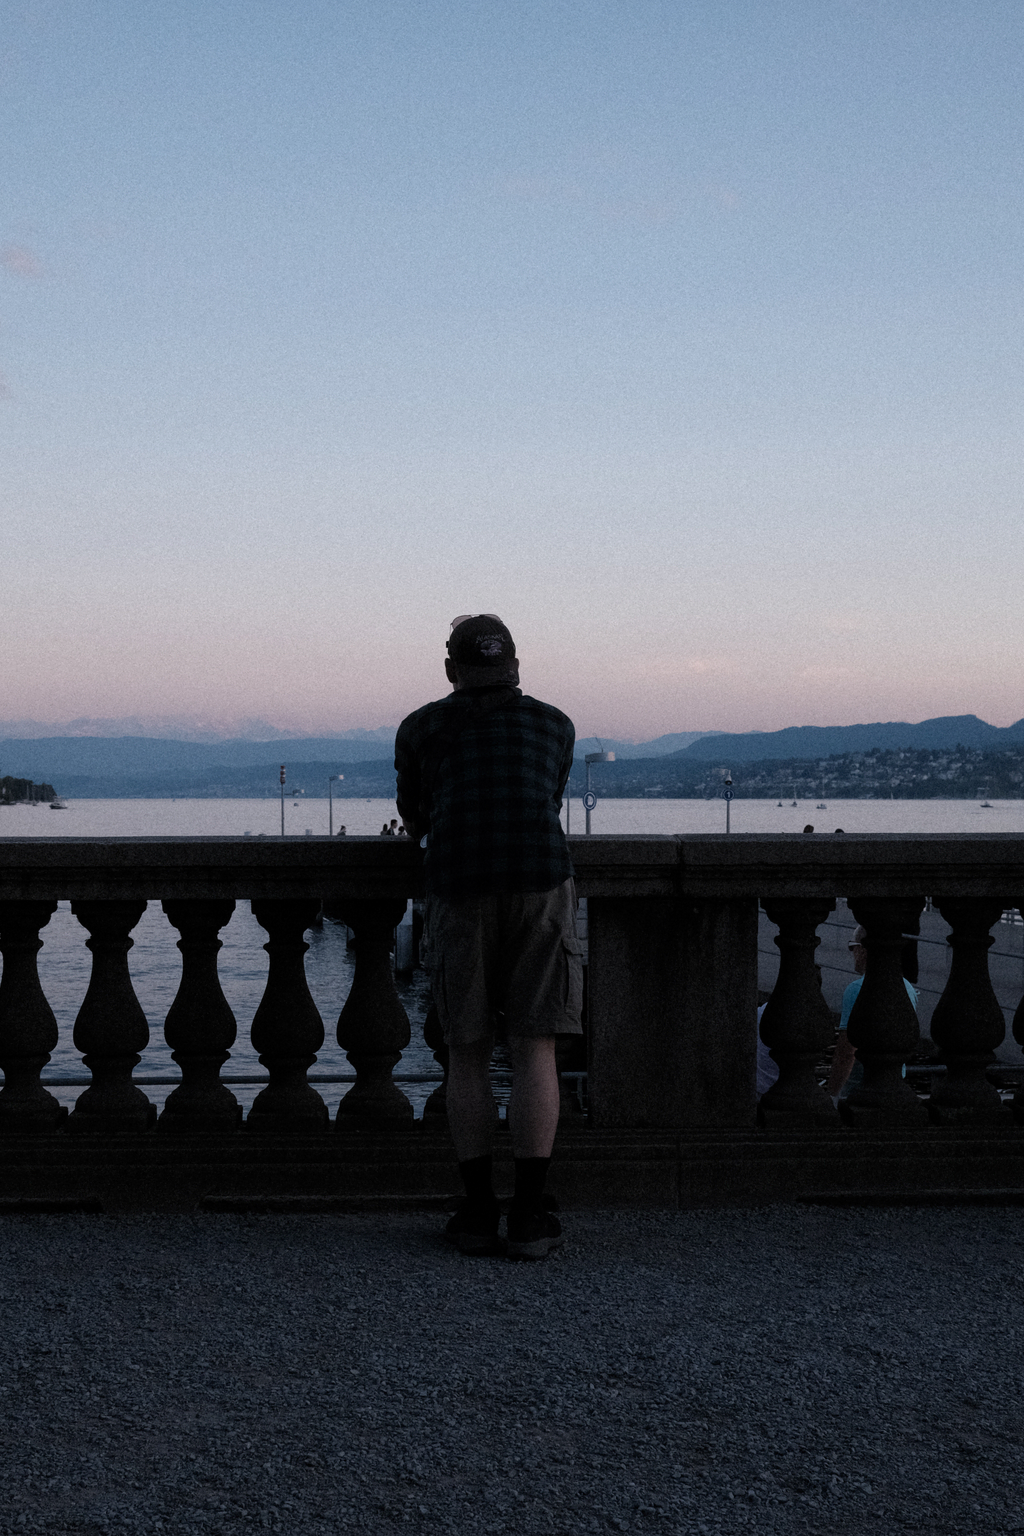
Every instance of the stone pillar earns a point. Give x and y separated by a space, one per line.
967 1024
673 1009
373 1028
287 1030
796 1024
28 1029
883 1024
200 1027
111 1030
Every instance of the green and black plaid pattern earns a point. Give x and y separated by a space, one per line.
483 771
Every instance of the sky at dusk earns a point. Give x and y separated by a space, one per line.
687 337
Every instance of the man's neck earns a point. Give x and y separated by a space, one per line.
479 688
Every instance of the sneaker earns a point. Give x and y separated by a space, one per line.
474 1228
533 1232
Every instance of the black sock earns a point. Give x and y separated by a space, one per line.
476 1177
530 1175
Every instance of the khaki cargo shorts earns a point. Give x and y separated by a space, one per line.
505 965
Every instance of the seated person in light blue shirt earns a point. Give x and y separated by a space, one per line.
767 1067
847 1072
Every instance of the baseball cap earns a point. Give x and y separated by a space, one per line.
481 640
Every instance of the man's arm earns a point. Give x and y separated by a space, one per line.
409 785
565 767
842 1064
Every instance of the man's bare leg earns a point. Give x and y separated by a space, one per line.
533 1107
470 1101
533 1119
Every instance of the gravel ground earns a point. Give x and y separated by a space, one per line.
832 1371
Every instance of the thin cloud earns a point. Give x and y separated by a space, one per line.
21 261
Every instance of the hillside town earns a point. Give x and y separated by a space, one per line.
906 774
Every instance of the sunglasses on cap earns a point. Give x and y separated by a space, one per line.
464 616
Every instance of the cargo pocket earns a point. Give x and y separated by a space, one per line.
572 1000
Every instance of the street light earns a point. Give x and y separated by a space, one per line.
282 798
330 801
728 797
590 799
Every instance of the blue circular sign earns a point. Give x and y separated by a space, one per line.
727 795
589 800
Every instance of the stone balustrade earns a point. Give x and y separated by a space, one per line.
672 981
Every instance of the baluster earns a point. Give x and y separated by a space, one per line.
200 1027
287 1030
967 1024
28 1029
111 1029
883 1025
1018 1033
796 1024
373 1028
435 1110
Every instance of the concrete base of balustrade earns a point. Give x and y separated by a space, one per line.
612 1169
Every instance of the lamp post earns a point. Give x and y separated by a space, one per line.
330 801
282 799
728 797
590 799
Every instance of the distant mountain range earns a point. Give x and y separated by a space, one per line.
177 728
103 756
661 746
812 741
137 757
109 767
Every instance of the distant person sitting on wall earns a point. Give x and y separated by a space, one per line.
847 1072
341 832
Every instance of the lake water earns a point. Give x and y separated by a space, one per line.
155 964
232 818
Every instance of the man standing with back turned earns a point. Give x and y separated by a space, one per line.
482 772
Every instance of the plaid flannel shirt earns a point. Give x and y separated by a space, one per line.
482 773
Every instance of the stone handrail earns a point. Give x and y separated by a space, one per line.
699 864
672 976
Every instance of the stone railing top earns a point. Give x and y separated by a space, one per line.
696 865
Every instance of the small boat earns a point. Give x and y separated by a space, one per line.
57 804
985 806
821 806
793 807
780 805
